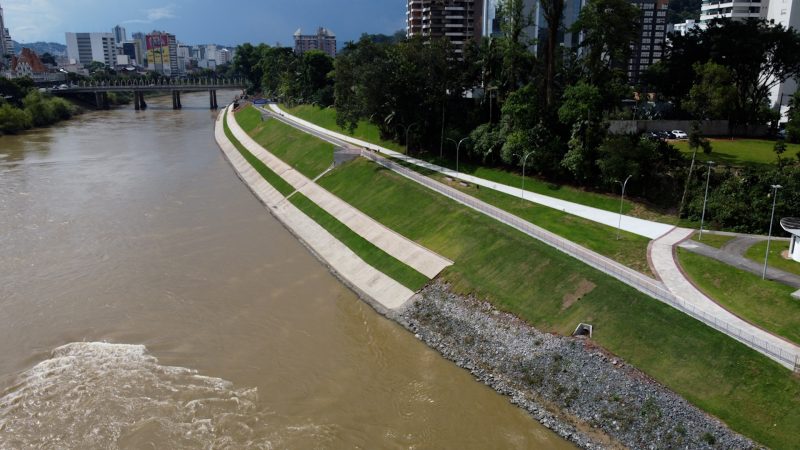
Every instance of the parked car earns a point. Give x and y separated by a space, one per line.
653 136
678 134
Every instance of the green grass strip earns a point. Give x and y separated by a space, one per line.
305 153
371 254
713 240
776 260
765 303
554 292
272 178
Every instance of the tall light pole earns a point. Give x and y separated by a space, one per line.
458 147
407 129
705 200
621 201
524 160
775 188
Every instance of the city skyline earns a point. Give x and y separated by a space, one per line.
202 20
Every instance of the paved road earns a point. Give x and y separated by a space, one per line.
634 225
732 255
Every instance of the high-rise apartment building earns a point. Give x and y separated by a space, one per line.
162 53
733 9
786 13
83 48
458 20
324 40
119 34
649 48
3 44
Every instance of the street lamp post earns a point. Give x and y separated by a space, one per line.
407 129
524 160
775 188
621 201
705 200
458 147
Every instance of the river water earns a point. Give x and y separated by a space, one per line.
148 300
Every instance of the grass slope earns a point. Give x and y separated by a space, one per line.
757 252
326 118
630 250
366 131
740 152
554 292
765 303
713 240
371 254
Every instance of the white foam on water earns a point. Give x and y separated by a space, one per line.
101 395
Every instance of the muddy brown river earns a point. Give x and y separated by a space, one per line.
148 300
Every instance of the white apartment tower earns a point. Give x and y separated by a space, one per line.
786 13
732 9
83 48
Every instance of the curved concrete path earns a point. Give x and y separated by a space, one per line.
384 292
663 258
405 250
634 225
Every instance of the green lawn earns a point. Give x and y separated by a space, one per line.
765 303
366 131
326 118
757 252
739 152
714 240
555 292
309 155
371 254
630 249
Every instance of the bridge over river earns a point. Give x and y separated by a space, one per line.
101 89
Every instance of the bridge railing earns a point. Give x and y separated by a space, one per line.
160 83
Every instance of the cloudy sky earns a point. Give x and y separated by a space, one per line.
203 21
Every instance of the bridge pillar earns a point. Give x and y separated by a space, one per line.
178 94
98 100
216 105
136 103
174 100
212 99
142 104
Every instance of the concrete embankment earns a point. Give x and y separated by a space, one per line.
569 385
384 293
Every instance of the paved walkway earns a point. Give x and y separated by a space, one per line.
634 225
405 250
383 291
732 255
663 258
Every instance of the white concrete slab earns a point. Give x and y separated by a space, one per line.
365 279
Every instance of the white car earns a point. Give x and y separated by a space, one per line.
678 134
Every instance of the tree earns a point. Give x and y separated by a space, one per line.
759 56
609 28
553 12
793 126
13 120
517 61
714 95
47 58
246 61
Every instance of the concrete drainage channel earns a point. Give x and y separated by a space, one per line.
583 329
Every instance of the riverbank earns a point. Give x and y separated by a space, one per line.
554 292
568 384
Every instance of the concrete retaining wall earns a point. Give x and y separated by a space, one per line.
707 128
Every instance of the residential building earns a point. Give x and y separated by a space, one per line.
119 34
458 20
566 39
684 28
5 36
28 64
83 48
131 50
324 40
649 48
162 53
733 9
786 13
4 50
